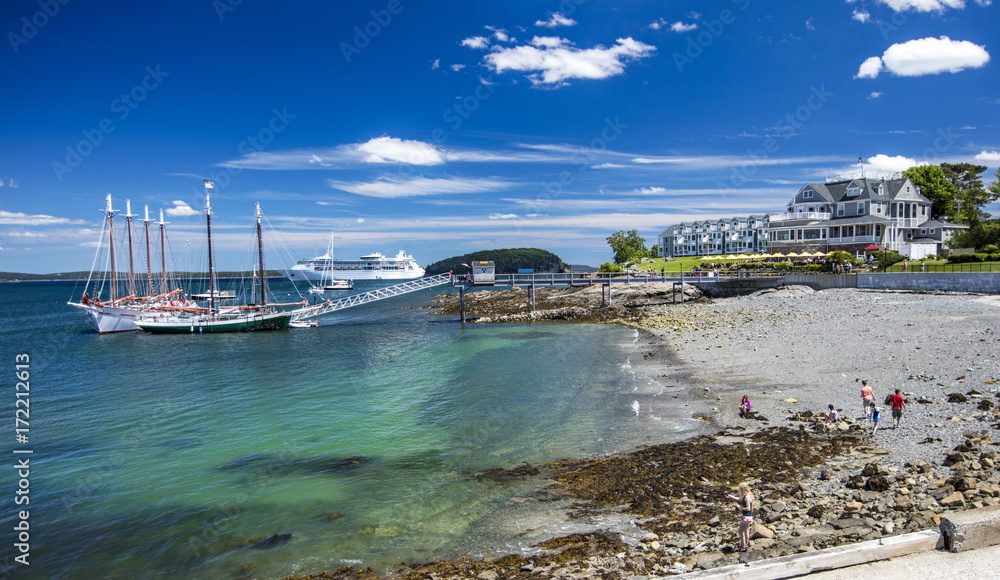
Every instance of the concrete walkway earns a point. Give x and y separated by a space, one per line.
983 563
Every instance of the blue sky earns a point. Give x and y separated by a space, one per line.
449 127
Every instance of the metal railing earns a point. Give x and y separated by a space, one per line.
371 296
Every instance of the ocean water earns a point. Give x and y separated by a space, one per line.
171 456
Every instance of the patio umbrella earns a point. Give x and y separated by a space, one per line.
872 248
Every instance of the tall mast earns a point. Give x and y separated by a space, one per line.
111 246
131 265
211 268
149 268
163 251
260 260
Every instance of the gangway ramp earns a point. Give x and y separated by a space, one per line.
366 297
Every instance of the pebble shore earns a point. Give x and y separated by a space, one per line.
793 351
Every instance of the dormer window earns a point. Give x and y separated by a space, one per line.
807 194
853 191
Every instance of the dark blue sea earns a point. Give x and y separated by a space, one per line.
171 456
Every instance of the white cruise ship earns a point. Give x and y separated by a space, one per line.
370 267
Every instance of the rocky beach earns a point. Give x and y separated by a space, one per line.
661 509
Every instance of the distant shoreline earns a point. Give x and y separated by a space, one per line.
16 277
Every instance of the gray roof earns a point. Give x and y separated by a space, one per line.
836 192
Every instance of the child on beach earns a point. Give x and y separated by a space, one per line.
832 416
744 406
898 404
876 417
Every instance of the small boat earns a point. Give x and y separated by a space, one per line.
331 286
216 295
239 318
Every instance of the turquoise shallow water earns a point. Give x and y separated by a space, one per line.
164 456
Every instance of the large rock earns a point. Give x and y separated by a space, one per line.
760 531
971 529
956 499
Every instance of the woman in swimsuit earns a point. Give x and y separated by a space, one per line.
744 505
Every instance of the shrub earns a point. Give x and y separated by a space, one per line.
609 267
990 249
966 258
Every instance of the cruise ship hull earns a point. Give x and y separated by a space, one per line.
311 274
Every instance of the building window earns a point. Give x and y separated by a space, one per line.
807 194
923 210
923 232
853 191
861 208
931 231
840 210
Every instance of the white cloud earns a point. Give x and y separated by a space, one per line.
436 64
502 216
926 56
556 19
457 67
181 208
928 5
675 27
323 203
880 164
360 220
499 33
556 60
651 190
316 159
23 234
861 16
988 156
809 24
870 68
393 187
10 218
395 150
476 42
608 166
875 95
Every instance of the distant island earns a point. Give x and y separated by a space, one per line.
507 261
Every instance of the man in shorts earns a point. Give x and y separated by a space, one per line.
898 404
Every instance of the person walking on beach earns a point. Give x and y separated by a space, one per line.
744 506
867 399
876 417
898 404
